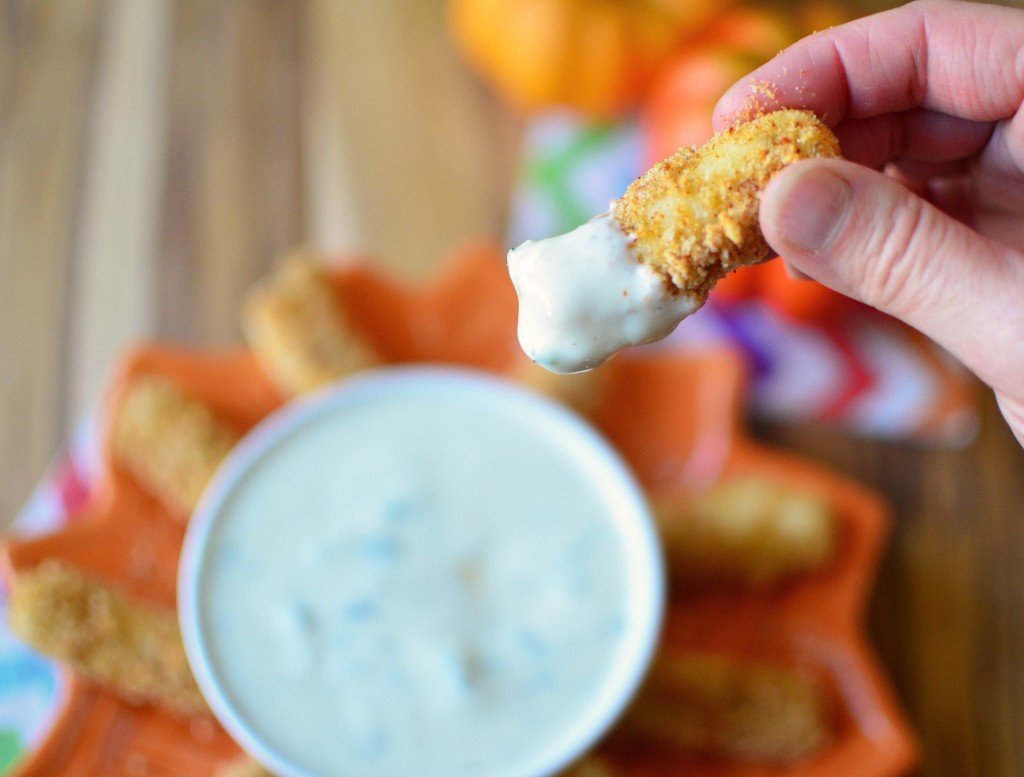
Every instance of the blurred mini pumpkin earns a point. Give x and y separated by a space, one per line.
816 15
597 56
677 112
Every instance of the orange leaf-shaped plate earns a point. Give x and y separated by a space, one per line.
675 419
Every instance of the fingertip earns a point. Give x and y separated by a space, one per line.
753 95
731 104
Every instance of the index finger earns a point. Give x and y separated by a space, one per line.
957 58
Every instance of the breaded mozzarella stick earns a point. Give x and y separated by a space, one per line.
724 707
630 275
295 327
171 442
746 530
131 648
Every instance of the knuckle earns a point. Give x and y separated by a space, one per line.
893 277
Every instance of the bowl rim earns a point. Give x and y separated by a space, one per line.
605 469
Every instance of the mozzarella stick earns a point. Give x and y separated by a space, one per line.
132 649
632 274
748 530
711 705
295 326
169 441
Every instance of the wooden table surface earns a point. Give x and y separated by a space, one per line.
156 156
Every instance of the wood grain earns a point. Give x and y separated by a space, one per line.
46 84
155 156
114 254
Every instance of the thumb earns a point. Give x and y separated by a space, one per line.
868 237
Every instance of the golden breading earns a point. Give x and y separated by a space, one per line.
293 323
747 530
243 767
695 215
133 649
710 705
169 441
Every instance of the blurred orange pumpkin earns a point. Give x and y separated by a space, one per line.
815 15
597 56
759 32
677 112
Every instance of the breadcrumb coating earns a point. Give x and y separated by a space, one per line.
294 325
695 215
748 530
712 705
169 441
128 647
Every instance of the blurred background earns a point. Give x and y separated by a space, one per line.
156 157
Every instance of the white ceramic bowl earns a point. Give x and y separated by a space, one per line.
210 574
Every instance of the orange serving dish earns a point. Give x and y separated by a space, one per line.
676 420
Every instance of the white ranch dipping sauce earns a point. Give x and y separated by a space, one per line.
427 574
585 295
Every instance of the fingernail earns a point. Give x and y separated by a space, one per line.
813 209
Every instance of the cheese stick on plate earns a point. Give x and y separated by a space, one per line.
171 442
130 647
298 331
704 704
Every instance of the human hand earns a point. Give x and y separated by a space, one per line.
925 220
